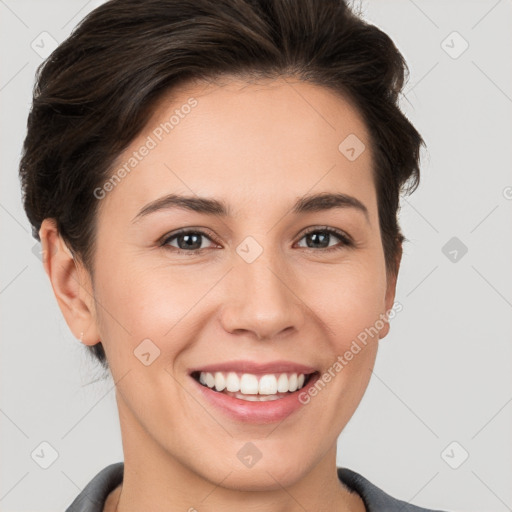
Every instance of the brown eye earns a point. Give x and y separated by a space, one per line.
186 241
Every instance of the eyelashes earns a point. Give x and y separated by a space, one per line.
192 237
189 235
345 239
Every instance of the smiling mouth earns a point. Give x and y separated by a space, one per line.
251 387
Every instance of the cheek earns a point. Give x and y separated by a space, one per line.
350 299
136 304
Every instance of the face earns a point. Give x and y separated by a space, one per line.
276 276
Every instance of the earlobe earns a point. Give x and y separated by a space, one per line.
391 290
70 283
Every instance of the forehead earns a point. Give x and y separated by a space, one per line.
251 144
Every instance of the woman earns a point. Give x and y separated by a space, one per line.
215 185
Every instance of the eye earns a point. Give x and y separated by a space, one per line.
319 238
190 240
187 240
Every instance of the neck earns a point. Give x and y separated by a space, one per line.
155 480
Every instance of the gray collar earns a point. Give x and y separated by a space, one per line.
94 495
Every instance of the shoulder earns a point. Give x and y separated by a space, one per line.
95 493
374 498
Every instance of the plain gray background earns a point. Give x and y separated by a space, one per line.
441 388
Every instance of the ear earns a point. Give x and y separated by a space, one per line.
391 290
71 284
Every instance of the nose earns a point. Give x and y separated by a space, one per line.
262 298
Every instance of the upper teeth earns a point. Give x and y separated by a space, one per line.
251 384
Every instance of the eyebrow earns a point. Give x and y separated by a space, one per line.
311 203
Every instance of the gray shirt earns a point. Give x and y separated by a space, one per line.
94 495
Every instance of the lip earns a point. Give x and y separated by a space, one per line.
256 368
255 412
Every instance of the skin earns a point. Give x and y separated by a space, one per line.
258 147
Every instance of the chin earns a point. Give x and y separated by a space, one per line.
262 477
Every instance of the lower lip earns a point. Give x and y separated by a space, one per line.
256 412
